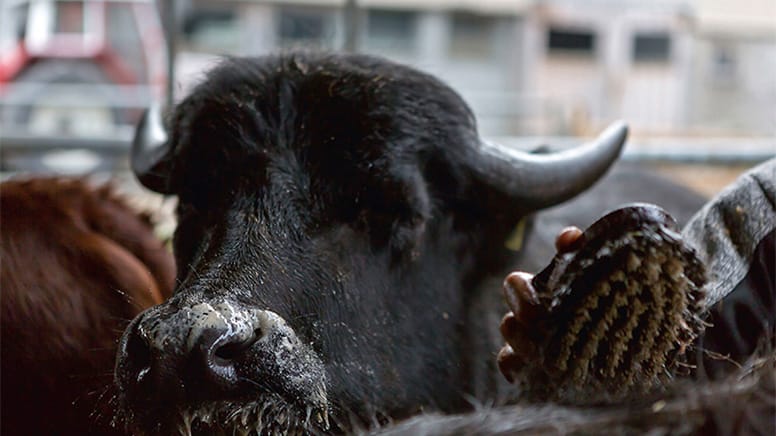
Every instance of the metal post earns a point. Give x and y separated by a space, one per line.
352 18
171 32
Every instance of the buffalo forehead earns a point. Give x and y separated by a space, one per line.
336 111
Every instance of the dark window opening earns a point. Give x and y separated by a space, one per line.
200 18
212 29
651 47
70 17
295 26
391 29
472 36
571 41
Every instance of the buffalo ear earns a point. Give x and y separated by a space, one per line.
151 154
396 207
408 230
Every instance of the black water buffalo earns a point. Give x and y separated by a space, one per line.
341 225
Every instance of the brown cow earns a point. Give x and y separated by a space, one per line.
77 264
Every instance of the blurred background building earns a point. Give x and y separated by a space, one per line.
75 77
695 79
538 67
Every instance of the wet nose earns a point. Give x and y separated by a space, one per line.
197 349
218 350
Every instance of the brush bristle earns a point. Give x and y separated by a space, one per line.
621 310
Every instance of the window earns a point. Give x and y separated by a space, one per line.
70 17
306 27
577 41
215 30
651 47
391 29
472 36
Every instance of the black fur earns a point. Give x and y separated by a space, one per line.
332 191
328 190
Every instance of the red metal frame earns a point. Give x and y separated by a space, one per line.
79 46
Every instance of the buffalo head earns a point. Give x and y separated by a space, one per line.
336 214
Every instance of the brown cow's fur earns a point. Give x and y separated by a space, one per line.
77 264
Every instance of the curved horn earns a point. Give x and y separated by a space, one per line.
543 180
149 157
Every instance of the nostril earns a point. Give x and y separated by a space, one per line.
138 354
233 350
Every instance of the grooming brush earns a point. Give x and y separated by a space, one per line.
620 310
